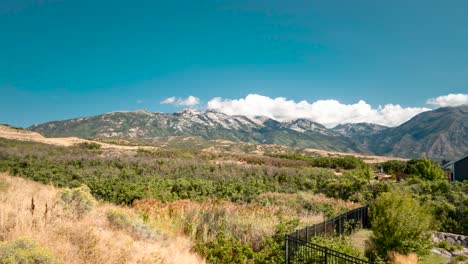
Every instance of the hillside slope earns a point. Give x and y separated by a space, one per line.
26 135
210 125
358 129
438 134
90 239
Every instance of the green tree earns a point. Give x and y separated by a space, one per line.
425 169
367 172
400 223
394 166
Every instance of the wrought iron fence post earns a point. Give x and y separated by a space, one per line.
296 240
326 255
325 228
340 228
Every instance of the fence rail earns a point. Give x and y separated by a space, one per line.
307 252
340 225
300 250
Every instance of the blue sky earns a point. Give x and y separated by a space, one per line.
64 59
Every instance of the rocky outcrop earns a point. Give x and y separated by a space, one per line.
451 238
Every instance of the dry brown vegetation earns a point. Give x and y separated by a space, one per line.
26 135
251 224
29 209
396 258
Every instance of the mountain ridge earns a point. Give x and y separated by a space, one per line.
207 124
438 134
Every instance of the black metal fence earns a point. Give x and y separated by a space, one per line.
300 250
340 225
306 252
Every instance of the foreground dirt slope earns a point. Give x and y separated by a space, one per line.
90 239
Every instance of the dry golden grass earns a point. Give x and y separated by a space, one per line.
295 201
26 135
251 224
396 258
248 222
285 199
361 239
87 240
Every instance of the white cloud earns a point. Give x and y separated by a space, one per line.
169 100
189 101
327 112
449 100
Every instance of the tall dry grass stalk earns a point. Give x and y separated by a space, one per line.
203 221
30 209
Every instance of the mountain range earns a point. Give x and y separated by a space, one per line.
438 134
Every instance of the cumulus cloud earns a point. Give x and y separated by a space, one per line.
189 101
449 100
327 112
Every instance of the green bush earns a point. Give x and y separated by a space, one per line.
226 249
25 251
447 246
342 244
132 224
425 169
345 162
88 145
344 187
394 166
458 259
78 201
400 223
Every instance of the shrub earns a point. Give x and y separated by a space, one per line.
394 166
78 201
447 246
399 223
425 169
458 259
343 187
3 185
25 251
226 249
121 220
341 244
88 145
344 162
273 248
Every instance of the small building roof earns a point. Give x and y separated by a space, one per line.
455 161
